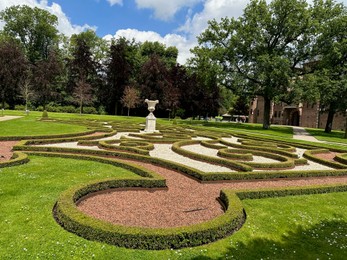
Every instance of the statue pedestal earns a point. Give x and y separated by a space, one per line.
150 123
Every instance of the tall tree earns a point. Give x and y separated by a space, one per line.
167 54
13 70
34 27
261 50
45 75
82 66
119 68
154 79
332 66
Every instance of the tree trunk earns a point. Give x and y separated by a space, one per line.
329 124
267 109
128 111
116 108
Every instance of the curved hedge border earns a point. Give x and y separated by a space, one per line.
44 139
260 148
73 220
285 162
342 158
192 172
310 154
176 147
108 145
18 158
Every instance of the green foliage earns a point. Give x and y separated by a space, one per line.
35 28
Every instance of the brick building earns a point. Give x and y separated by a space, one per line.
302 114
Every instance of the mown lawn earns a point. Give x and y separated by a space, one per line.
334 136
301 227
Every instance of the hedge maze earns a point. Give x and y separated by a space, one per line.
240 157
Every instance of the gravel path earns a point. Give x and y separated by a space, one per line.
6 118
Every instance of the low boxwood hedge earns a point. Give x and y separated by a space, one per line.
342 158
18 158
176 147
73 220
310 154
192 172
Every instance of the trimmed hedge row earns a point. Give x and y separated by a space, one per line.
192 172
260 148
285 162
18 158
296 143
342 158
46 139
106 145
73 220
310 154
292 191
176 147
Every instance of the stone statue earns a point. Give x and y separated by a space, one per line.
151 119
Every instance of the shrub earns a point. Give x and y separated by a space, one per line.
44 114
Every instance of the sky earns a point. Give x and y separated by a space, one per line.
171 22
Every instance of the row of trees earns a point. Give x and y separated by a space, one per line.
43 67
283 51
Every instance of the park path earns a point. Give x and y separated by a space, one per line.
5 118
299 133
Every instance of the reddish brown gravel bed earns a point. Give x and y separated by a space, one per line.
185 202
327 156
6 150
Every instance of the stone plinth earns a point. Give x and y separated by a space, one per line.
151 119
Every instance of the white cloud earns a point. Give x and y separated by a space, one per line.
194 25
115 2
182 44
213 9
64 23
165 10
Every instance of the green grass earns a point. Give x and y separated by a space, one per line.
334 136
275 228
280 131
30 126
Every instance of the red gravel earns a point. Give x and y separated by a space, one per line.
185 202
327 156
6 150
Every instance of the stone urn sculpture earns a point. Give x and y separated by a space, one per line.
151 119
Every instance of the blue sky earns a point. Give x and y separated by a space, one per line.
172 22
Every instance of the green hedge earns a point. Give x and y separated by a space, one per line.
342 158
260 148
176 147
310 154
73 220
18 158
192 172
107 146
60 137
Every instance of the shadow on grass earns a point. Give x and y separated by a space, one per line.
326 240
334 136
